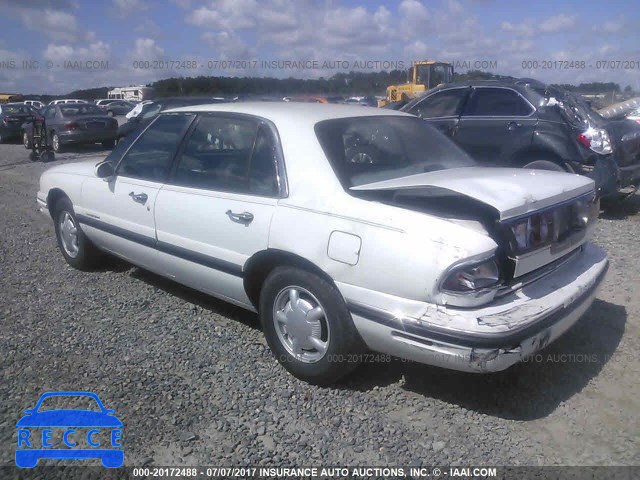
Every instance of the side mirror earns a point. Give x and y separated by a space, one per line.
105 170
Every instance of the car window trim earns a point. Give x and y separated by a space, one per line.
124 154
281 178
533 108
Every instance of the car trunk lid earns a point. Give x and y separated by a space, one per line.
511 192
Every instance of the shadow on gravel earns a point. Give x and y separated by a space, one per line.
113 264
527 391
198 299
621 210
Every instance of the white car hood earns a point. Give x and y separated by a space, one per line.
85 168
511 191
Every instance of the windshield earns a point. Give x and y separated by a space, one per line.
363 150
71 109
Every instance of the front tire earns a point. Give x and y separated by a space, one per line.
544 165
76 248
308 326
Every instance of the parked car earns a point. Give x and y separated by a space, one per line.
12 116
524 123
34 103
403 245
117 107
103 101
152 109
364 101
67 100
137 109
80 123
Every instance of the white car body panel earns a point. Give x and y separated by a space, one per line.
386 261
111 203
196 220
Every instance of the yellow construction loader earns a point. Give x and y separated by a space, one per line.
422 76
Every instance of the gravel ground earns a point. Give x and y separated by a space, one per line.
195 384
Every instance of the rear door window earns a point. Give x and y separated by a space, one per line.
229 154
497 102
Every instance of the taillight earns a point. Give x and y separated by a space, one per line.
71 126
584 140
596 139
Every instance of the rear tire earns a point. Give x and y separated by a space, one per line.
308 326
55 143
26 141
544 165
76 248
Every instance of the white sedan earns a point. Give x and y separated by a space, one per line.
346 230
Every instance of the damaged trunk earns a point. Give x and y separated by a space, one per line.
535 217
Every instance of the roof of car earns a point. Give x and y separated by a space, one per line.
288 111
503 82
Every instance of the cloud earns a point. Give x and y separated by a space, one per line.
40 4
557 23
523 29
414 16
226 15
146 49
56 24
61 53
128 7
610 27
228 46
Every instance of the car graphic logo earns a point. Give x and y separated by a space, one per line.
80 434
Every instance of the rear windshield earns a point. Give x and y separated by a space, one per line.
80 109
363 150
13 109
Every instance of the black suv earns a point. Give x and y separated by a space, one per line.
525 123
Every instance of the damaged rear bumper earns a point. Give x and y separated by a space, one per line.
486 339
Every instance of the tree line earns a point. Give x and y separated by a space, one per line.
343 84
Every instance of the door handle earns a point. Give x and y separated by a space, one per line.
244 217
513 125
139 197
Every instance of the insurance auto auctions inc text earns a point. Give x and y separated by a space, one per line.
351 472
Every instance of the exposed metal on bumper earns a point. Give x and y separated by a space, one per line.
42 204
497 336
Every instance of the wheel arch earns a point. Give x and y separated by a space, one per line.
521 158
261 264
53 197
